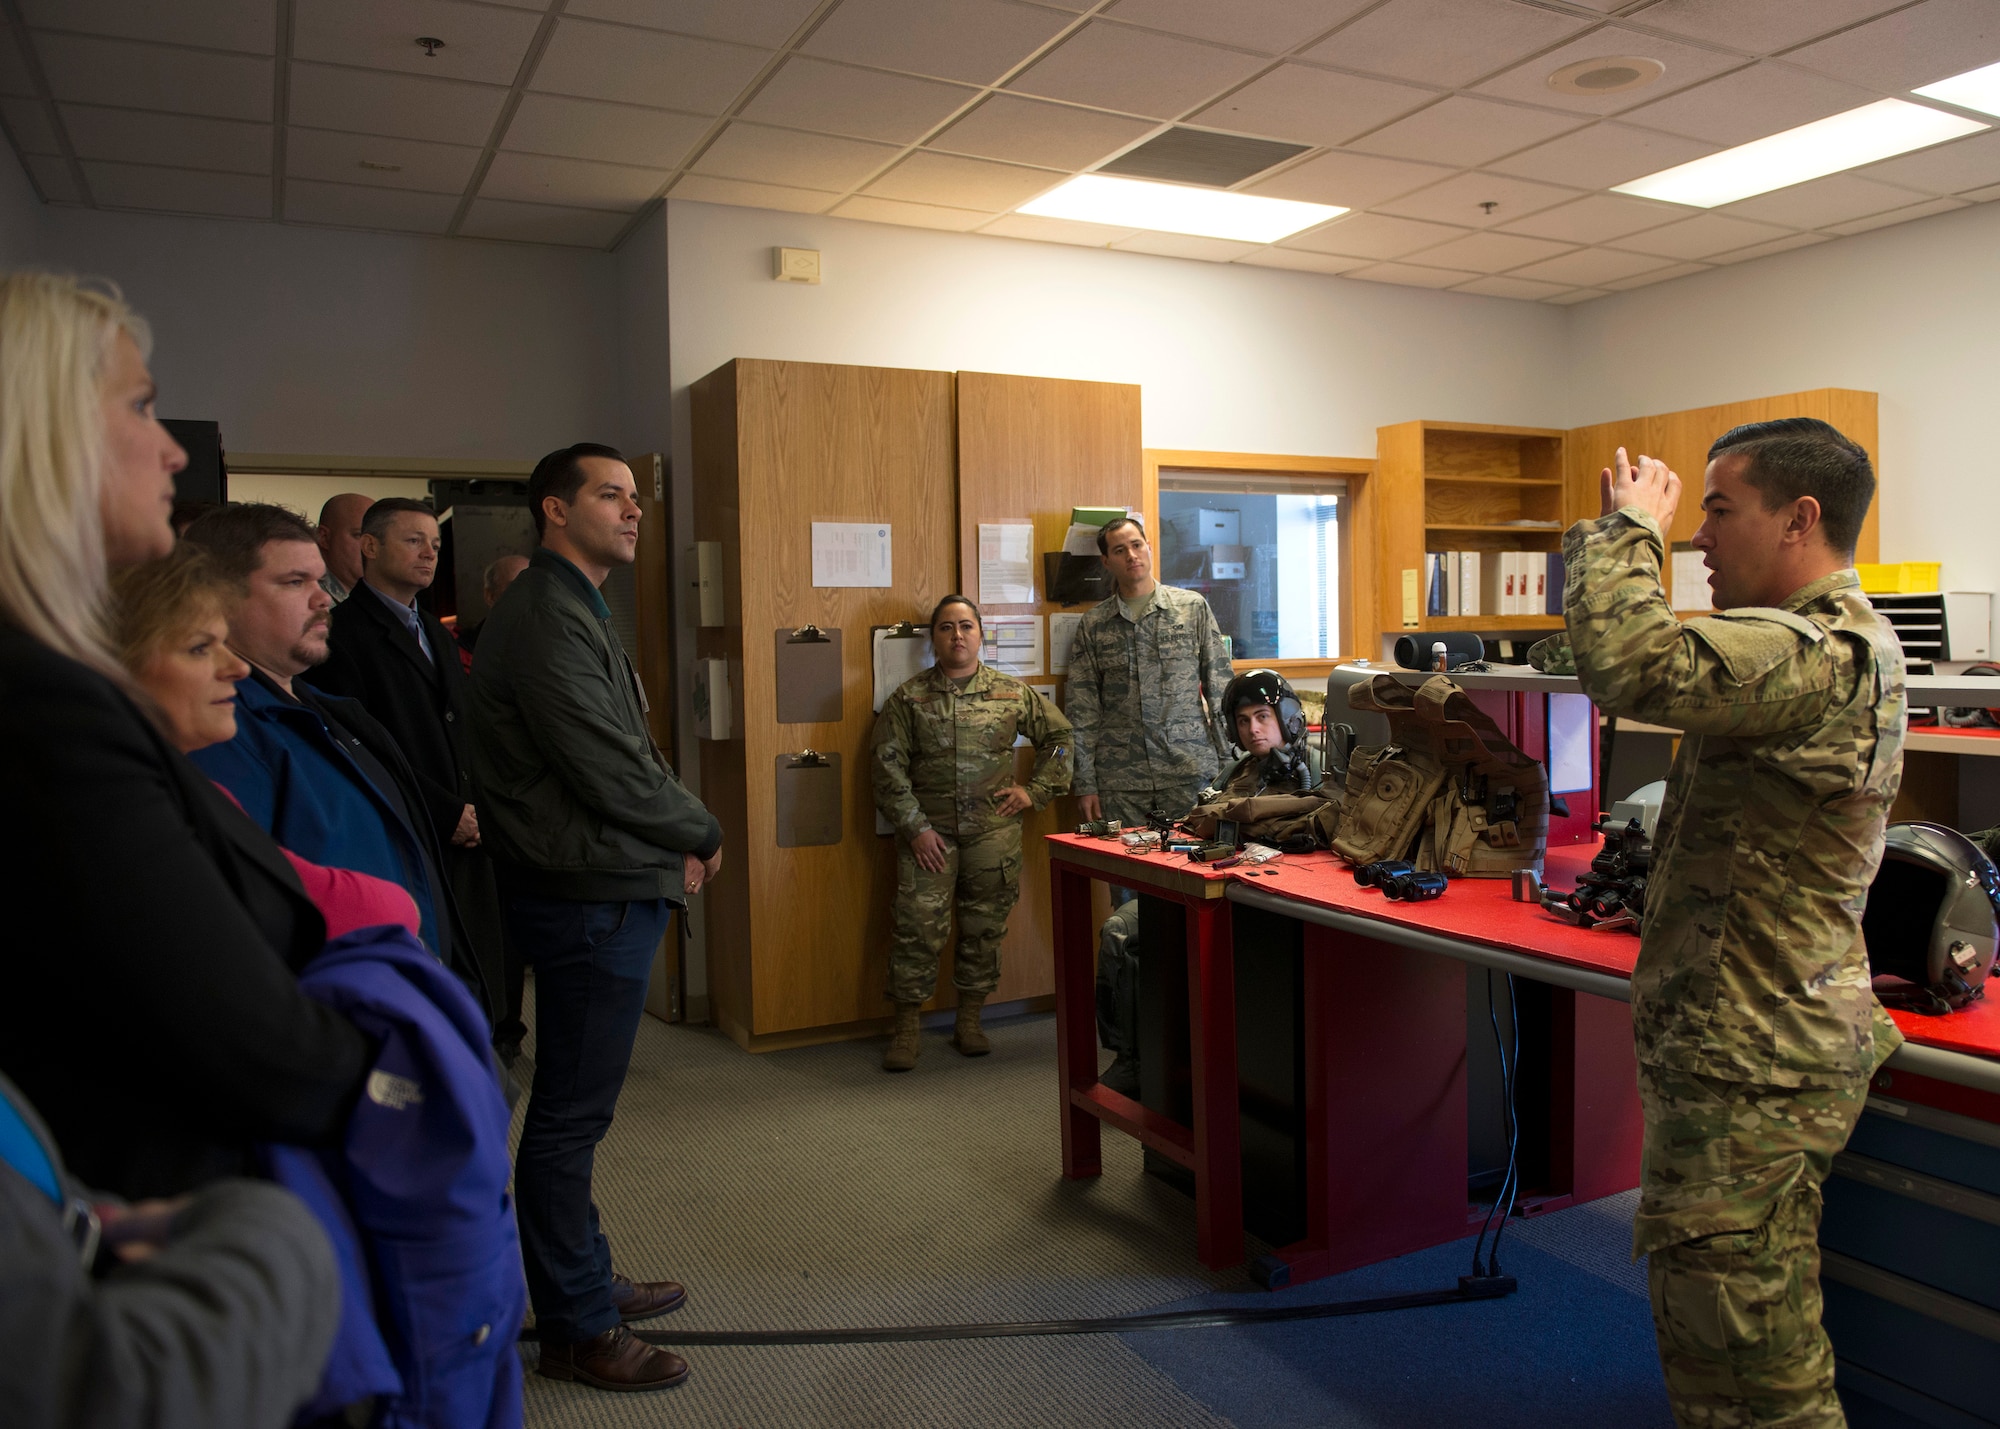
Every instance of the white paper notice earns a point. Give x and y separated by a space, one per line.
1691 590
1081 540
1013 644
1062 633
898 658
850 553
1006 563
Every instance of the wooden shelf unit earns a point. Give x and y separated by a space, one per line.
1447 486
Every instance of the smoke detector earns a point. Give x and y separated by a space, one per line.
1612 74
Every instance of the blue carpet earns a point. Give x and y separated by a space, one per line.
1568 1350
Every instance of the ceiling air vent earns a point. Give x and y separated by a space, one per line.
1195 156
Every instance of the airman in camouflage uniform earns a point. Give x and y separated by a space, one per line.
944 765
1755 1025
1145 738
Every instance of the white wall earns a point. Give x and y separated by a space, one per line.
1911 312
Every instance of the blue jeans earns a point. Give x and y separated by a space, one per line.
591 961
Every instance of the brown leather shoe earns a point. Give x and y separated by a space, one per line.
616 1360
642 1300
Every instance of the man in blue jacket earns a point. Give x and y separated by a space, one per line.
316 771
596 842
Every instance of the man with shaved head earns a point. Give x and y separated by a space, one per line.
339 538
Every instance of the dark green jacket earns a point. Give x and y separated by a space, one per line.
574 800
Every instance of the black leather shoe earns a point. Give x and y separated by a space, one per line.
642 1300
615 1360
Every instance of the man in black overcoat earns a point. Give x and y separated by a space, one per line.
402 664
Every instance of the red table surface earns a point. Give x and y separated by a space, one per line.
1483 910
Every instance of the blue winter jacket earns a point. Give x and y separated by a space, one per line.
420 1212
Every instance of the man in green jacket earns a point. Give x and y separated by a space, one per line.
596 843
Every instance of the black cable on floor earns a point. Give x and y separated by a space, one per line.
1106 1325
1510 1183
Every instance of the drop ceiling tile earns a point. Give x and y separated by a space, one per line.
1312 106
1685 64
1762 28
1055 230
1466 132
768 23
704 189
1658 275
248 25
539 223
354 206
1603 155
1969 163
1373 235
1776 245
149 186
1984 195
373 102
911 215
1912 47
15 76
570 183
379 162
1523 288
481 42
1028 131
1489 252
1597 217
863 104
1404 275
974 41
1577 295
1700 236
30 124
86 70
791 158
1749 104
53 177
952 182
1821 203
593 61
1349 180
1300 261
1904 215
1444 42
610 133
1459 199
1273 26
1187 245
1136 71
1594 267
177 140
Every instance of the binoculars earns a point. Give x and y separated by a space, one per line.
1400 880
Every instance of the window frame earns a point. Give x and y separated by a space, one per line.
1359 629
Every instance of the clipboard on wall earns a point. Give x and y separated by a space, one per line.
899 652
808 797
808 675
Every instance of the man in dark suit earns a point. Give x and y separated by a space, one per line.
402 664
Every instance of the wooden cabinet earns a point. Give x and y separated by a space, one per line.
1443 486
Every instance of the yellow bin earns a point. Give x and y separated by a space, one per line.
1898 577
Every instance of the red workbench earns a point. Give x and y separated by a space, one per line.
1385 1046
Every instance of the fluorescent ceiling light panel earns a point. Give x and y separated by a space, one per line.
1860 136
1176 208
1975 89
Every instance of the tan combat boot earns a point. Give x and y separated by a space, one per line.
901 1055
966 1035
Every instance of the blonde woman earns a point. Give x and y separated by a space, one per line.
150 1014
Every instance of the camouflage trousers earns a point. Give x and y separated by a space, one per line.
981 882
1729 1208
1130 806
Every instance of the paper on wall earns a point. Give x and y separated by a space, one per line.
1062 634
1081 540
1690 576
1006 563
899 658
1013 644
850 553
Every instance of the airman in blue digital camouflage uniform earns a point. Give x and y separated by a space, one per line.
1755 1024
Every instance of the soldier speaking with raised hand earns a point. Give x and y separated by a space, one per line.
1755 1024
944 777
1144 667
